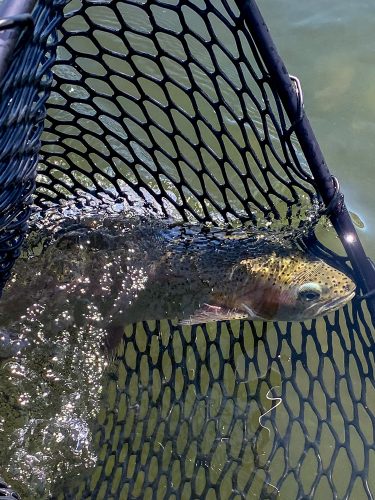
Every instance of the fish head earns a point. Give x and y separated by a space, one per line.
292 287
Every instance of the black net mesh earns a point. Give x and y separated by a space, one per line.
169 101
168 104
239 410
24 91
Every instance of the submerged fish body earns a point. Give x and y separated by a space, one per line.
134 270
262 276
83 280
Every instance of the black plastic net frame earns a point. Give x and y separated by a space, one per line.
216 164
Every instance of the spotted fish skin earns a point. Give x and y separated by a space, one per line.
259 275
141 269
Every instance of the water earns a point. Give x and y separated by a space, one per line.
188 403
330 47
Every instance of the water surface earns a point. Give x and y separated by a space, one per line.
330 46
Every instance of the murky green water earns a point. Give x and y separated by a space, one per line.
330 46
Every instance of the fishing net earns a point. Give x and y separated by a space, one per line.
182 117
168 104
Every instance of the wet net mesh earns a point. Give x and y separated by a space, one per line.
168 104
24 91
171 102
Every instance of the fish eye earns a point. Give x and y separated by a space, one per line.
309 291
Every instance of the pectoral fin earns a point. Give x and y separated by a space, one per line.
209 312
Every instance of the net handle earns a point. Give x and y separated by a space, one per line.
324 181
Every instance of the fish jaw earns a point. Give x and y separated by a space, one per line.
305 315
333 305
276 304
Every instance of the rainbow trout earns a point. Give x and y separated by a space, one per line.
82 278
129 270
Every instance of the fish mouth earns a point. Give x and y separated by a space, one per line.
333 304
